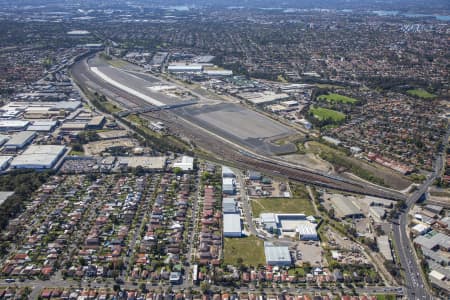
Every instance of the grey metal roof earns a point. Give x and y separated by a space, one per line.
232 223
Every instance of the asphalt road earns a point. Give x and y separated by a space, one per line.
416 286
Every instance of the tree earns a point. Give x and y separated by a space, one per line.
204 287
177 171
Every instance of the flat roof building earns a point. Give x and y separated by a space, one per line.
307 231
20 140
277 255
229 186
227 172
229 206
192 68
42 125
232 225
4 161
39 157
186 163
345 207
13 125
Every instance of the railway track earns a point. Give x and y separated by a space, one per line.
82 75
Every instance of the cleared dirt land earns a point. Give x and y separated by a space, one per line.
308 160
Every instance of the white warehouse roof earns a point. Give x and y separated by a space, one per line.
232 225
39 157
186 163
277 255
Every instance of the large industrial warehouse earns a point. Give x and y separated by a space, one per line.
232 225
39 157
277 255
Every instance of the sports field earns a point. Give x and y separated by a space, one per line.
325 113
338 98
421 93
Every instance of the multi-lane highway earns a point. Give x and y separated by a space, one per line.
415 282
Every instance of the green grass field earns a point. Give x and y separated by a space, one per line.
250 249
325 113
338 98
299 203
421 93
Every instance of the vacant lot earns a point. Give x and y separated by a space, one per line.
421 93
299 203
249 249
372 172
327 114
338 98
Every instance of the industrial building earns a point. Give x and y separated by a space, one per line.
345 207
277 255
227 172
4 161
186 163
229 186
20 140
290 224
192 68
13 125
229 206
433 240
232 225
307 231
3 139
218 73
266 97
39 157
385 247
42 125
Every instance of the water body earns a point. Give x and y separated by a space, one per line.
409 15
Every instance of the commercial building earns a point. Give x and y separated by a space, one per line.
232 225
254 175
433 240
385 247
227 172
73 126
96 122
42 125
290 224
20 140
266 97
218 73
4 161
420 229
277 255
39 157
307 231
229 186
3 139
193 68
331 140
345 207
186 163
229 206
13 125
